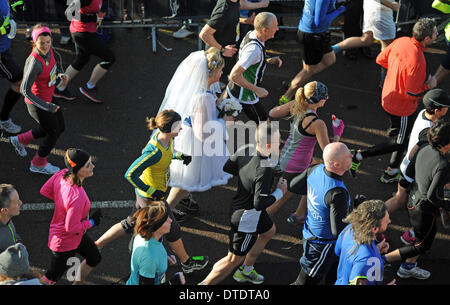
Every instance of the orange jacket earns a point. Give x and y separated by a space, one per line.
406 72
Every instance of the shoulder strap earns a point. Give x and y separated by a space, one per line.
312 121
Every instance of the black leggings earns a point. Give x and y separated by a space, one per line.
87 44
398 132
59 264
255 112
51 126
422 218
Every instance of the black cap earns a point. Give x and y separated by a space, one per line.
75 159
436 99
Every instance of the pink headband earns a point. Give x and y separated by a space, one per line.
36 32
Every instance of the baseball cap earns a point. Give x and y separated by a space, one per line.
436 98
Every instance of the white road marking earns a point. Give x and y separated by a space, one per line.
94 204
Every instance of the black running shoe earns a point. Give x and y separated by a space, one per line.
179 215
195 263
65 94
91 94
190 204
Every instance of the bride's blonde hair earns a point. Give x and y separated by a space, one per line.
214 60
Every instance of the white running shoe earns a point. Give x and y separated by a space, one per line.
10 127
183 32
18 147
48 169
416 272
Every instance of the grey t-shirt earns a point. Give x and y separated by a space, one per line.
8 235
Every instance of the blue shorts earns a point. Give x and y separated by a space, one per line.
318 258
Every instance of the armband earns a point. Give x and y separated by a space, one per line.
277 194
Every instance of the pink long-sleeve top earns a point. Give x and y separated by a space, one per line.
70 218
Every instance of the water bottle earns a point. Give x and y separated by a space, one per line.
335 121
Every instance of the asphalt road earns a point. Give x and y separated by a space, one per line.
115 132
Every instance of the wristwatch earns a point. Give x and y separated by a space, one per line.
222 49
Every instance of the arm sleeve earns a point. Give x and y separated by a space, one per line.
336 199
411 168
151 156
263 185
383 56
47 188
435 192
251 54
423 137
321 12
203 114
75 221
231 166
359 271
31 71
415 82
217 21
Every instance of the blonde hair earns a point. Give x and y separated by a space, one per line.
367 216
301 105
214 60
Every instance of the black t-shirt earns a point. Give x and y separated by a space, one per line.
225 19
255 180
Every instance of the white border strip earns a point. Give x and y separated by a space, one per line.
95 204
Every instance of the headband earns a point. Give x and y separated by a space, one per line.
73 164
158 224
38 31
320 93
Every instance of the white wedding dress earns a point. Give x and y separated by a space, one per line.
203 134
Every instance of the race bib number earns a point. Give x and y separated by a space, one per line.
53 76
167 175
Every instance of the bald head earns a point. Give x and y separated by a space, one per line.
264 20
337 158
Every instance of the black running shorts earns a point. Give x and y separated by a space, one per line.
315 45
241 242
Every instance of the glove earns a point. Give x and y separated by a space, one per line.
186 159
18 5
5 28
96 217
337 131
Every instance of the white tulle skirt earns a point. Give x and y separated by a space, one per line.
205 170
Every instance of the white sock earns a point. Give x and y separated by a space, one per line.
89 86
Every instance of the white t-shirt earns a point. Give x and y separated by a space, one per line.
249 56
